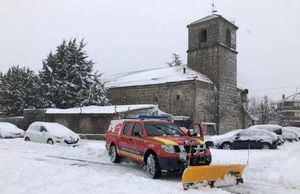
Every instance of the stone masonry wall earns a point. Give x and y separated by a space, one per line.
174 98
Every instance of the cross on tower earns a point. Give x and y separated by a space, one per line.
213 7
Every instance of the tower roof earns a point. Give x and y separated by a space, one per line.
211 17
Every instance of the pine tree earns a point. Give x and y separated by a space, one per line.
176 61
67 78
18 91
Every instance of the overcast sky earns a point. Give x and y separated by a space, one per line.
128 35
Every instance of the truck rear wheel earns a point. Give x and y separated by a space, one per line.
113 154
152 166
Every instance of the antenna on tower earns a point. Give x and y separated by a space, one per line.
213 7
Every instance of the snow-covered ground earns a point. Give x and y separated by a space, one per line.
27 167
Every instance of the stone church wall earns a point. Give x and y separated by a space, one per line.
174 98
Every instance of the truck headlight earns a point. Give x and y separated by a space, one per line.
168 148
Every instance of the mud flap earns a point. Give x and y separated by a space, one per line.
210 174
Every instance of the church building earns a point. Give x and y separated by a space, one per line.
205 89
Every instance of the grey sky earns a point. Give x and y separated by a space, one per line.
126 35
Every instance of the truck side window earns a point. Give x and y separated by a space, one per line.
137 129
127 128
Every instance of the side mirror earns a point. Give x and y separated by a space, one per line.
237 137
137 134
193 134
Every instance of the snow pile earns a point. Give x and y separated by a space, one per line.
101 109
8 130
156 76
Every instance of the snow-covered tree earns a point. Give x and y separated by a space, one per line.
18 91
176 61
67 78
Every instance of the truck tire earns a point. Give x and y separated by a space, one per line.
113 154
152 166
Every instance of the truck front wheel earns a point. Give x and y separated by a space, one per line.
152 166
113 154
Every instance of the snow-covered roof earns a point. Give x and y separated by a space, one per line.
292 98
155 76
209 17
101 109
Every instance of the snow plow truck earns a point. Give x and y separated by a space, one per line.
161 146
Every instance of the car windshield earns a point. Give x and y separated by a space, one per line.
162 129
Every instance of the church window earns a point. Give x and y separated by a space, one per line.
203 36
178 97
228 38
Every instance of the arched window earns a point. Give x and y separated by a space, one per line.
228 38
203 36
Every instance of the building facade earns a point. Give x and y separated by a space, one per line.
211 55
289 108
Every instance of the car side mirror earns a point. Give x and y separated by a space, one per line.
137 134
237 137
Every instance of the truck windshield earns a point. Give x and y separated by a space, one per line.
162 129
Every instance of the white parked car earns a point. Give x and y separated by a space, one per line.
289 135
8 130
51 133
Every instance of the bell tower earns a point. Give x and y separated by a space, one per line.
212 51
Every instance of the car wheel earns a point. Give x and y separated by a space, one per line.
50 141
265 146
226 146
152 166
113 154
27 139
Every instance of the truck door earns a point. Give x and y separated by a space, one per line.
138 141
125 140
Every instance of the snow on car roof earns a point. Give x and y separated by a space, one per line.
101 109
263 132
218 138
267 126
155 76
6 125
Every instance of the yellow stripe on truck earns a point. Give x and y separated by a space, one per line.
199 141
166 141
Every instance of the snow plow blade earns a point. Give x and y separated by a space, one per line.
210 174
